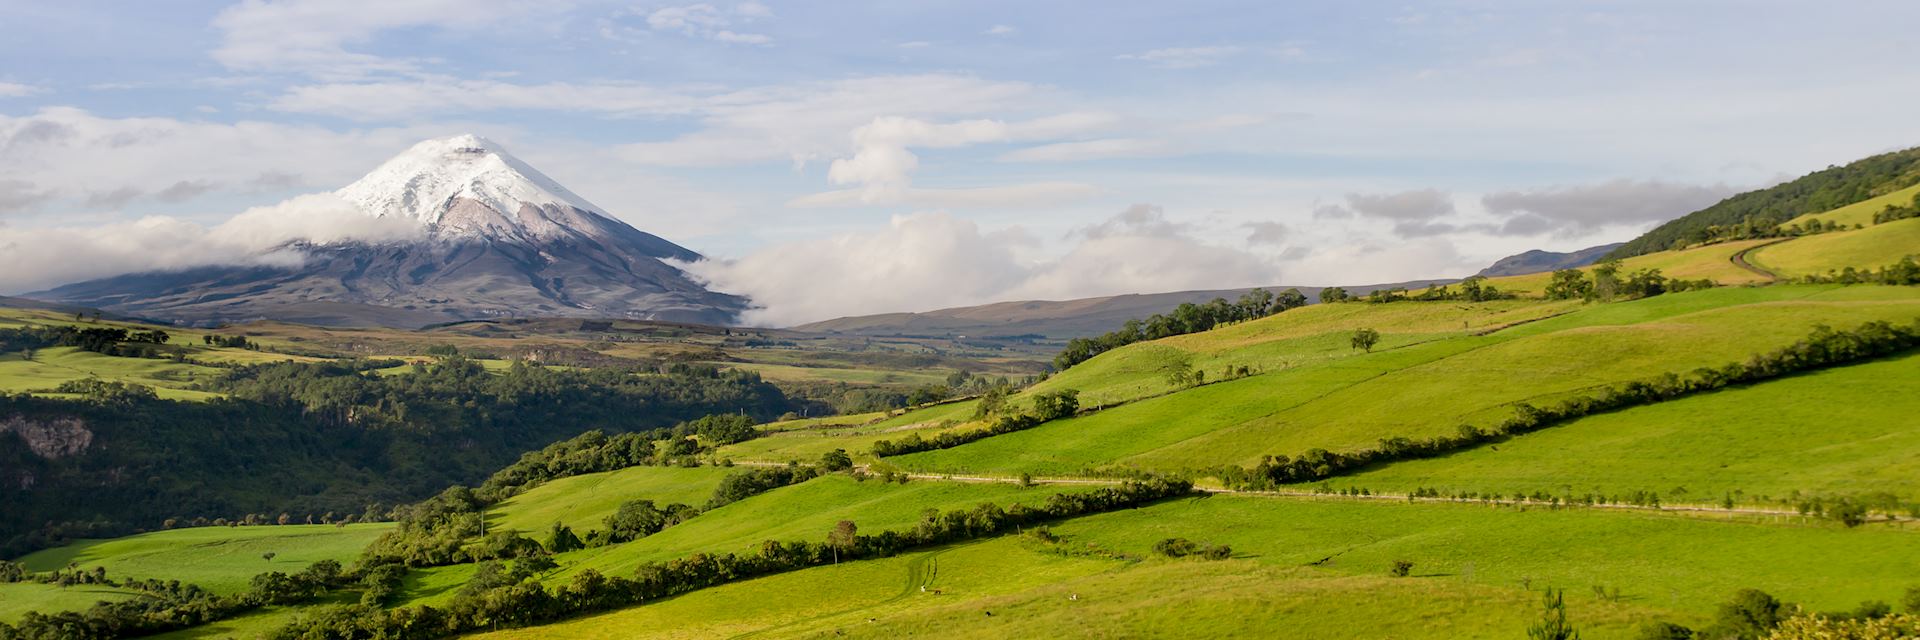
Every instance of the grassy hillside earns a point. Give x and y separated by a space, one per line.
806 511
1819 191
583 502
18 598
1426 388
1823 433
1861 213
1870 248
1017 588
50 367
221 559
1682 564
1302 568
1711 262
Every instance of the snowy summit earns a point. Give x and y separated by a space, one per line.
467 186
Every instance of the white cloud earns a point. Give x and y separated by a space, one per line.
17 90
1000 30
882 166
1089 150
312 36
72 156
20 195
710 22
1584 208
1182 57
33 259
394 99
934 260
1420 204
1266 232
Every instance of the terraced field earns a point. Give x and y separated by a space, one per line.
1861 213
583 502
1866 249
1819 434
806 511
221 559
1426 388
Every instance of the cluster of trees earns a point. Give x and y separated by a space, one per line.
522 603
1906 272
441 530
1823 348
1046 406
1606 283
1753 614
458 393
232 342
1184 319
306 438
1892 213
112 341
1472 289
170 605
1768 208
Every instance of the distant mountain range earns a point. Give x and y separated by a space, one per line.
501 240
1537 261
1050 319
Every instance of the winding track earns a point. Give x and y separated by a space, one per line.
1740 260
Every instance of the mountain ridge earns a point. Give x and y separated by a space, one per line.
501 240
1537 261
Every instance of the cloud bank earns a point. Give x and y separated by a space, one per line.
34 259
929 261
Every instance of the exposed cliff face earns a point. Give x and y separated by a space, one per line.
49 438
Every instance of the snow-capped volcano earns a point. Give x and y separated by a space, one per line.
502 239
468 186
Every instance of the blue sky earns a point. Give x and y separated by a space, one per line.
1024 149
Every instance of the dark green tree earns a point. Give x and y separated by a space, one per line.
1364 339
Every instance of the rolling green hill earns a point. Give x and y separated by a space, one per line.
1825 433
1799 483
221 559
1816 192
1424 389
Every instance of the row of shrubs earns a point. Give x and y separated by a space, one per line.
1047 406
1823 348
436 531
170 605
528 602
1906 272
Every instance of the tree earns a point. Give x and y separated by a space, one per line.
1553 623
1365 339
1912 602
1400 568
1289 299
836 460
636 519
1569 284
1056 405
844 534
1333 294
268 556
561 539
1751 615
1606 280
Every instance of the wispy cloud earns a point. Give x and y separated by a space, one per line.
712 23
1183 57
